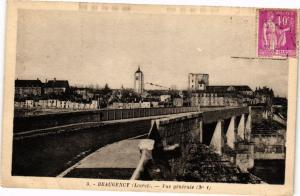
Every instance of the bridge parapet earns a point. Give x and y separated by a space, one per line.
44 121
223 113
179 129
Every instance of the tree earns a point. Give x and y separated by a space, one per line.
106 89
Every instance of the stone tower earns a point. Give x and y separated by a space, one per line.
139 81
198 81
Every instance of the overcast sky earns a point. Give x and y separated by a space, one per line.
98 48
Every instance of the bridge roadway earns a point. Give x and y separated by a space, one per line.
117 160
51 154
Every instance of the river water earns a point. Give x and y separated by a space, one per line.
270 171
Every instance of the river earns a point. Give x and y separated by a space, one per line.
270 171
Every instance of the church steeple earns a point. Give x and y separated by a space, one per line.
138 70
138 81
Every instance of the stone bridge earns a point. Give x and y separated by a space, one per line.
226 131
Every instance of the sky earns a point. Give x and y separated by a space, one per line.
104 47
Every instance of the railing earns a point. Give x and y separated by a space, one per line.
118 114
58 119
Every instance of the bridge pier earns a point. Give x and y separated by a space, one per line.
248 128
201 131
241 128
217 141
230 135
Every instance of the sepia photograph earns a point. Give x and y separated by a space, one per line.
140 93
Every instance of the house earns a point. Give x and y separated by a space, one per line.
51 103
178 102
116 105
29 103
146 104
85 93
154 104
165 98
56 87
28 88
94 104
43 103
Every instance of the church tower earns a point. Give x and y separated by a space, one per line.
139 81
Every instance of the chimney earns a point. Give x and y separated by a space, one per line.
46 80
54 79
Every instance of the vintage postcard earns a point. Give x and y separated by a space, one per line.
155 98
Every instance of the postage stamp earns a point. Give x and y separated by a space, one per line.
277 33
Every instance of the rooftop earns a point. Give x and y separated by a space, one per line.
139 70
57 84
28 83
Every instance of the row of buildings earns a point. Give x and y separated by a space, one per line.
199 93
56 104
203 94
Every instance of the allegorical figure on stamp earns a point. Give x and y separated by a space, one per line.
273 36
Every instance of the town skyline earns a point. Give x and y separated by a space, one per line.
98 51
99 86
